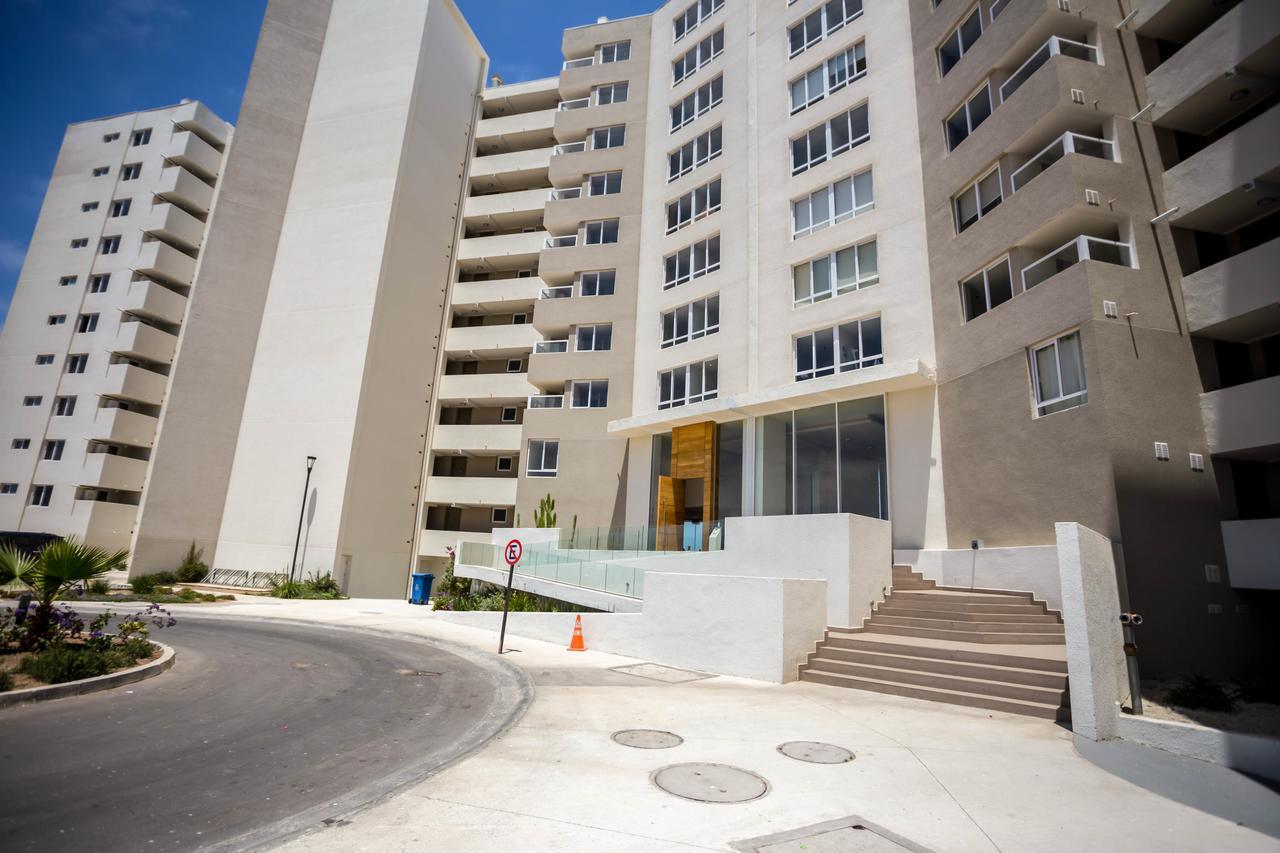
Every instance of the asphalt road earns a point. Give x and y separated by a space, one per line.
260 731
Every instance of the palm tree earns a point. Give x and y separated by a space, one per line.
62 564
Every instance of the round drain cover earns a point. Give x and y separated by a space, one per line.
710 783
647 738
815 753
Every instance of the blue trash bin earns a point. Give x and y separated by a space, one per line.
421 590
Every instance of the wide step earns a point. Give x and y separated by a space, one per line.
966 615
967 636
990 672
964 653
962 597
978 686
1046 711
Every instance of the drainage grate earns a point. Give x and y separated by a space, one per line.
415 672
847 835
815 752
710 783
647 738
658 672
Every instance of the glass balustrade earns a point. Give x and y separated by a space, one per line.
1082 248
564 291
1055 46
1068 143
551 346
562 242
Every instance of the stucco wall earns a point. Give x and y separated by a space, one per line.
1032 569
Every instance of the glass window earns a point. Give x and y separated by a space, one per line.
986 289
965 120
1057 374
590 394
958 43
544 457
833 137
608 137
598 283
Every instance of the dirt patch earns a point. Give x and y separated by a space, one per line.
1255 718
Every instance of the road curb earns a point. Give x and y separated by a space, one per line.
133 674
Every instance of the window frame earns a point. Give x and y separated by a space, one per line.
99 282
582 278
76 363
612 89
608 131
623 45
962 46
605 231
706 306
830 150
498 515
965 108
40 495
1042 407
130 171
825 27
591 385
702 193
984 273
982 208
536 450
838 364
850 56
671 263
595 337
515 414
706 367
610 183
109 245
64 406
680 25
832 260
697 103
832 195
706 140
682 69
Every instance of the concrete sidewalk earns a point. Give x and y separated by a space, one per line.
946 778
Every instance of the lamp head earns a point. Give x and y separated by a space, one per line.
311 461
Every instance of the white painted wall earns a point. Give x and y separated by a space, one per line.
1032 569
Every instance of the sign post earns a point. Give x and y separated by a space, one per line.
511 552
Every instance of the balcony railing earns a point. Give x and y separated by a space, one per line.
1082 248
580 63
564 291
551 346
1053 47
571 147
568 192
1067 143
576 104
562 242
546 401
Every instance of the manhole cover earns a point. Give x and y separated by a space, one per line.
815 753
647 738
710 783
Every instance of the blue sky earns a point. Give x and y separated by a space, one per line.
64 61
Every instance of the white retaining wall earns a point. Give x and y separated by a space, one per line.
1032 569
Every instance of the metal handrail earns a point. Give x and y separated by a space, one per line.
1123 256
1051 48
1068 143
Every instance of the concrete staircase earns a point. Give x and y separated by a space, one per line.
996 650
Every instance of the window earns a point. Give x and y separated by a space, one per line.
77 363
597 283
57 319
696 103
503 464
8 488
110 245
693 15
99 171
110 137
690 322
130 172
984 290
98 283
64 407
40 495
544 456
612 93
692 383
844 271
692 262
1057 374
708 49
597 233
508 415
832 137
849 346
832 204
694 153
20 444
140 137
499 515
33 401
589 394
977 200
965 120
67 281
79 242
608 137
597 338
120 207
88 206
958 43
996 8
519 319
822 22
693 205
831 76
619 51
87 323
514 365
53 450
46 358
607 183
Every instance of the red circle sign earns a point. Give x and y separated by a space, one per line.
513 552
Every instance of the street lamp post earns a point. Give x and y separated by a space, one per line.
311 461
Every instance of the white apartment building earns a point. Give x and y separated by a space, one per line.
98 316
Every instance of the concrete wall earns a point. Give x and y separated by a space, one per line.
1032 569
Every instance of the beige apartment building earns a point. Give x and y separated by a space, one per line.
98 318
968 268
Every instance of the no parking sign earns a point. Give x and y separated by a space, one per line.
512 553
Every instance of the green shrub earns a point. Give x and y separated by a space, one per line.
99 587
322 585
58 664
133 650
6 681
1202 693
193 569
144 584
287 589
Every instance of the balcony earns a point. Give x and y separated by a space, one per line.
1252 547
195 116
517 170
1237 299
496 296
472 491
139 340
476 438
1055 46
565 194
110 471
563 291
103 523
485 389
565 242
1068 143
151 300
175 226
185 189
516 131
192 153
503 250
161 261
433 543
584 62
575 104
571 148
120 426
546 401
518 209
496 341
1229 183
1082 248
1244 418
129 382
551 346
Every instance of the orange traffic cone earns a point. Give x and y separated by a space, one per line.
576 644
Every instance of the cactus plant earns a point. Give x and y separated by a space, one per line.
546 514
